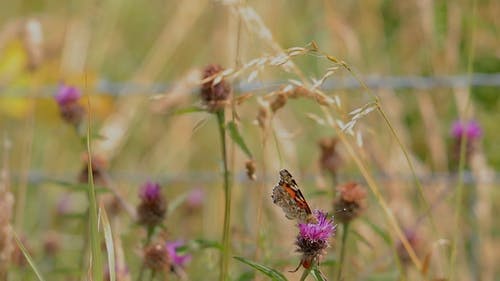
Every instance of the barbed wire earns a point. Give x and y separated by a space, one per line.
107 87
196 178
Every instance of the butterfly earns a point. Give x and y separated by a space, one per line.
288 196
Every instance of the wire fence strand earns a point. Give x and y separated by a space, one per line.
107 87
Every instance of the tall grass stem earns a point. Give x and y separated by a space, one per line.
224 263
343 247
95 241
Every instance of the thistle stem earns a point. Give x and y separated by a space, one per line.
224 264
345 231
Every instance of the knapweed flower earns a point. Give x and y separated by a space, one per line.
177 259
67 98
156 257
330 159
195 199
153 207
312 240
214 96
350 202
471 131
51 243
99 167
415 242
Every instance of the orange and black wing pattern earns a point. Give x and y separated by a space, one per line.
288 196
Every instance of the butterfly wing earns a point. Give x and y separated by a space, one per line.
288 196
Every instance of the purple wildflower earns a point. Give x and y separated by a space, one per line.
67 94
177 259
317 231
312 240
472 130
153 207
67 98
150 191
195 198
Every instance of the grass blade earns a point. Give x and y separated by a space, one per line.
95 240
28 257
110 246
271 273
318 276
237 138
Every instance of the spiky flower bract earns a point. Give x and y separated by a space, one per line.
313 238
67 98
153 207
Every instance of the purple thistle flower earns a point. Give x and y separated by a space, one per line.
312 240
67 94
177 259
153 207
150 191
322 230
472 130
195 198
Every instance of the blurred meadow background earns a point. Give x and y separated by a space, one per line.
385 112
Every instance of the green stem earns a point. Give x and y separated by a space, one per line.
148 239
304 274
345 232
463 146
224 264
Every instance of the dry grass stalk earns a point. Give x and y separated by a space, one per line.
6 207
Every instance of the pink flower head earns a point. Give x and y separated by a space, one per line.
150 191
177 259
195 198
320 231
67 94
471 130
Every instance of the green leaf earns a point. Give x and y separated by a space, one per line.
237 138
190 109
28 257
174 204
246 276
204 244
318 276
271 273
379 231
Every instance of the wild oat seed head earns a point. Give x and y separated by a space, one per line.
153 207
250 169
214 96
177 259
350 202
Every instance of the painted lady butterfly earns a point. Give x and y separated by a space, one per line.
288 196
